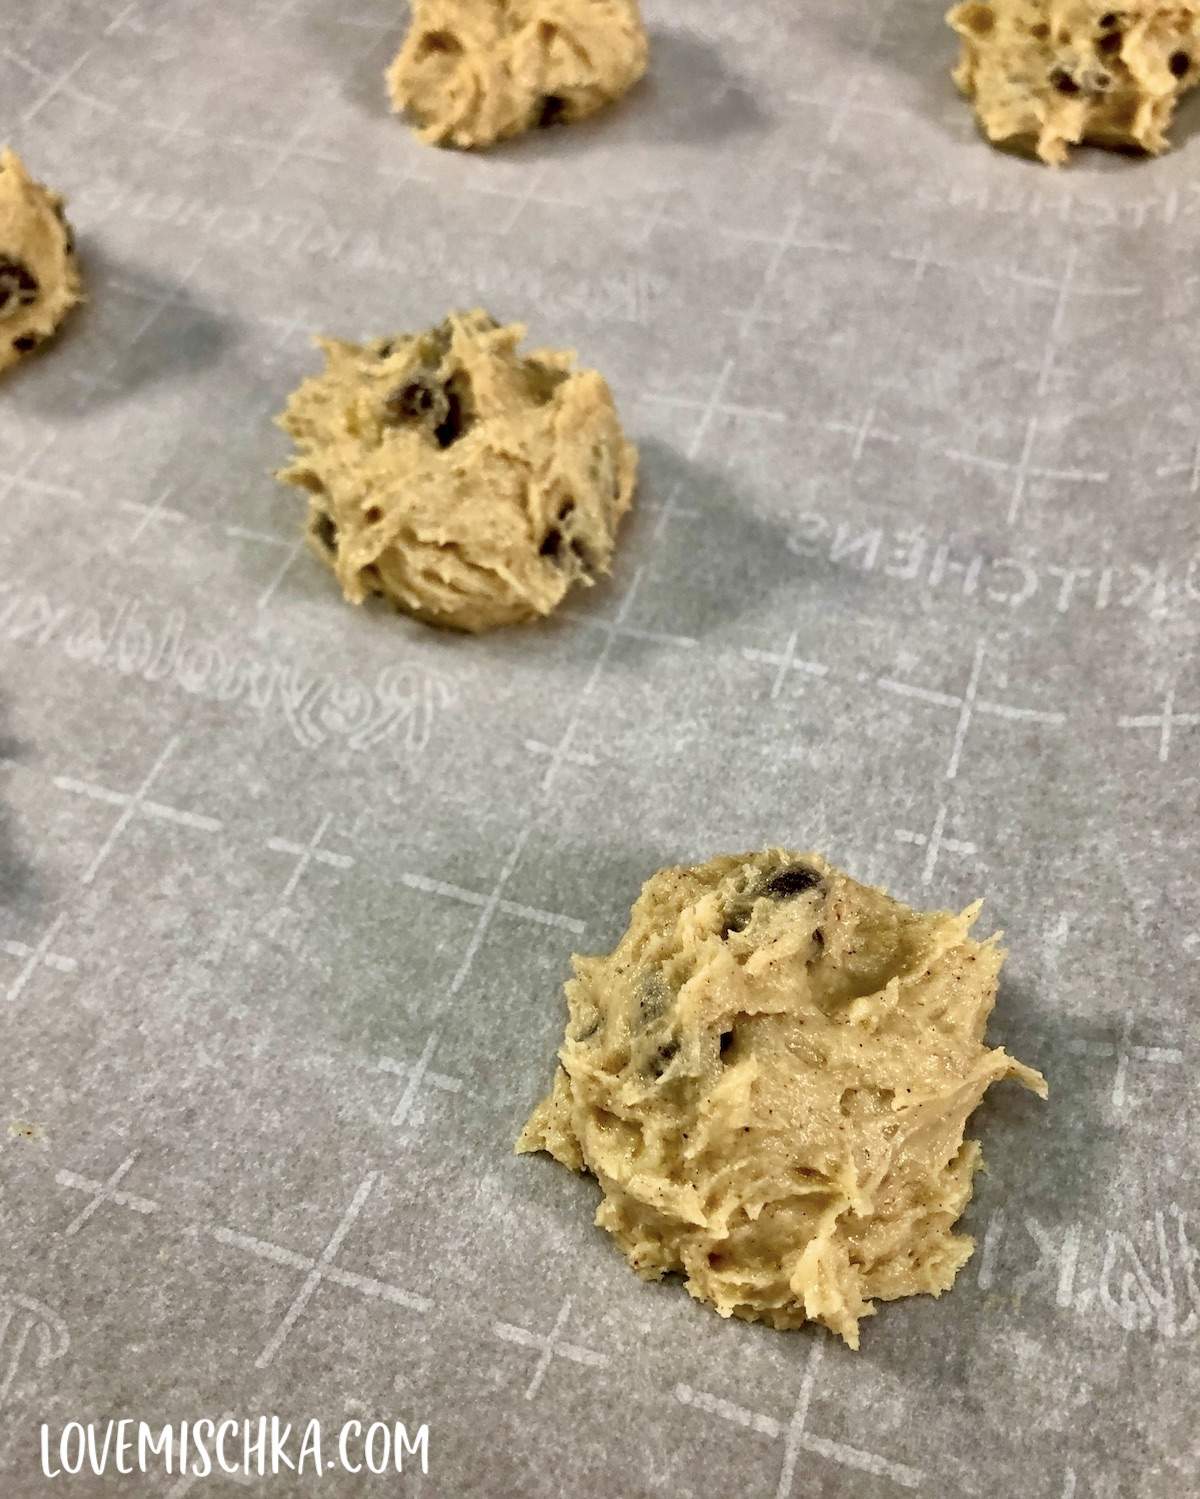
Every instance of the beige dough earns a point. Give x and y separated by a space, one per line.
39 280
770 1078
467 483
1059 72
472 72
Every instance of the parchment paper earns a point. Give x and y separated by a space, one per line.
290 889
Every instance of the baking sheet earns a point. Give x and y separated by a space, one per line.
290 889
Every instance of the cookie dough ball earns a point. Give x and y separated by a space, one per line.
472 72
770 1078
39 280
1059 72
468 483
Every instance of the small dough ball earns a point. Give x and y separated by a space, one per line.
1060 72
472 72
468 483
770 1078
39 279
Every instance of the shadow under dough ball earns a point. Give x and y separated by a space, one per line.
469 484
770 1078
1056 73
39 279
473 72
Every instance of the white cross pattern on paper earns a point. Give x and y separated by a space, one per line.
1125 1052
551 1346
305 854
23 476
1064 289
560 754
714 404
863 431
796 1436
968 704
1025 469
567 756
151 513
106 1192
617 626
58 84
785 661
416 1073
488 906
934 842
291 549
131 803
320 1269
1165 722
1191 469
159 303
38 955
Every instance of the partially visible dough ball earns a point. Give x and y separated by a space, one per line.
472 72
39 279
1060 72
469 484
770 1078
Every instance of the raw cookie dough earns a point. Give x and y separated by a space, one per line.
39 280
1064 71
469 484
770 1078
472 72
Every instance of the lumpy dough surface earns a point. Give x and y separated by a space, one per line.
39 280
473 72
770 1078
1060 72
467 483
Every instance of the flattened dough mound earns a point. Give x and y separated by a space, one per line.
468 484
472 72
770 1078
1060 72
39 280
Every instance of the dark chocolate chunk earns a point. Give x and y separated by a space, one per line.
1179 63
414 401
552 111
793 881
582 555
326 532
18 285
453 424
442 409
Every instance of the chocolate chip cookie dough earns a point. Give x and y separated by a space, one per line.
1060 72
39 280
467 483
472 72
770 1078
